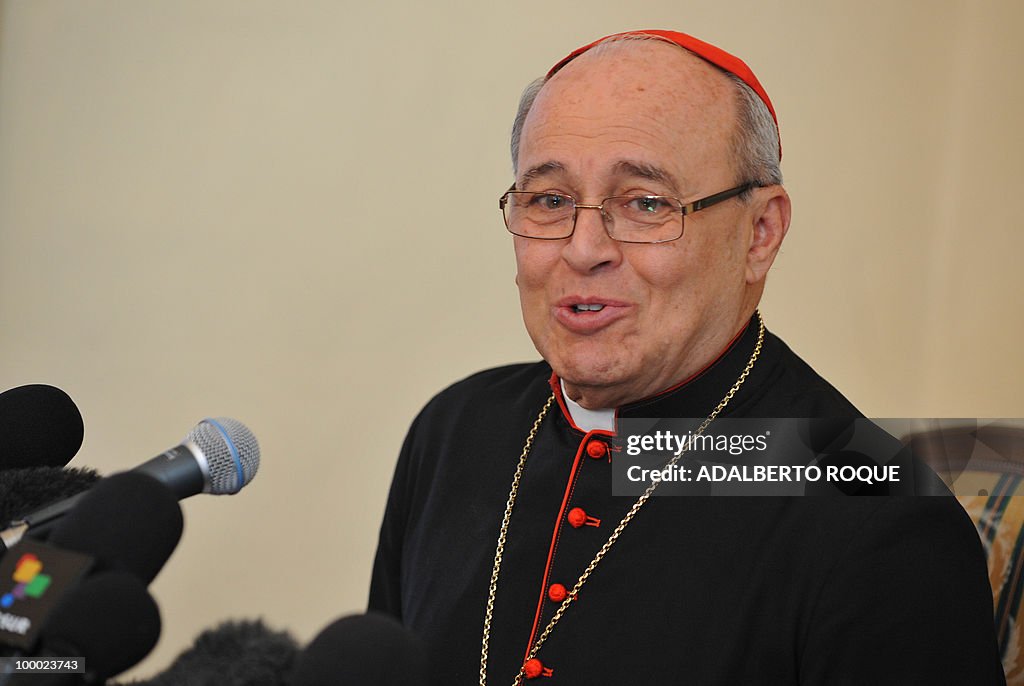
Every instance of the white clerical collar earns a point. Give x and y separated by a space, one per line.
588 420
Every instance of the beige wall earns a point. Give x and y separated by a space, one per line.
244 209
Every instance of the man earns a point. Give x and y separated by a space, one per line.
646 211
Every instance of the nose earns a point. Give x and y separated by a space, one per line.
590 248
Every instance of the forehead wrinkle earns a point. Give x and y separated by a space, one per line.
590 125
545 131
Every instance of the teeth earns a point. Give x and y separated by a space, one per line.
588 308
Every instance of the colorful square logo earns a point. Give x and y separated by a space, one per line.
28 579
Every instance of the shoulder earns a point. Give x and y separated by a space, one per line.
792 388
454 440
921 531
500 390
481 409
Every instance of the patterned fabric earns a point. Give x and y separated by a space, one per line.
1000 520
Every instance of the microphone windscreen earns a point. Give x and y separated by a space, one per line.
129 521
40 426
23 491
368 650
235 653
110 619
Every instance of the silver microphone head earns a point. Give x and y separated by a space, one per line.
231 451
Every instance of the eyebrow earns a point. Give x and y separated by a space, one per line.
621 168
540 170
647 171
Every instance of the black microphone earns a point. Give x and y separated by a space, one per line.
235 653
28 489
40 426
129 522
218 456
368 650
110 620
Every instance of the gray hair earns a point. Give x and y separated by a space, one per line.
755 143
525 103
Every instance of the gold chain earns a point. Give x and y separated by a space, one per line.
499 553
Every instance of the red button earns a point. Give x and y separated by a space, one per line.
577 517
597 449
533 668
557 592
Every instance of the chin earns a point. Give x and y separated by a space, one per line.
590 369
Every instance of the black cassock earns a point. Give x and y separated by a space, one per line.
697 590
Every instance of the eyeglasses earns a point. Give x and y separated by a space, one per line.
627 218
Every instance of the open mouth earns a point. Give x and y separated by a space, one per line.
580 314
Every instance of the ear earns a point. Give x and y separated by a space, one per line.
770 223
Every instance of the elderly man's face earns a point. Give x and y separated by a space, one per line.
641 118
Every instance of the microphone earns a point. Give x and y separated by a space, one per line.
40 426
110 620
129 522
235 653
30 488
369 650
218 456
23 490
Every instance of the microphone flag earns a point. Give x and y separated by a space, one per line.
34 576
